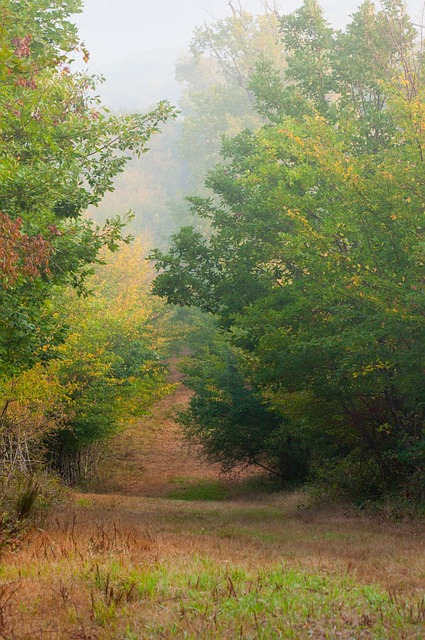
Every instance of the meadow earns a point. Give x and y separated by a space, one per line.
167 547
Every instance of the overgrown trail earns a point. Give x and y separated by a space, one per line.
154 482
150 459
132 562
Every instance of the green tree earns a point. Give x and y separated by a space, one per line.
59 153
315 263
228 417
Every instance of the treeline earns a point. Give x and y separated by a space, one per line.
216 101
305 256
80 345
312 259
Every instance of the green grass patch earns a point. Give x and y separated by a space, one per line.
223 601
203 490
84 502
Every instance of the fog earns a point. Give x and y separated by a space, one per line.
114 30
135 43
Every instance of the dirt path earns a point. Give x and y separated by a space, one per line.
150 458
149 462
130 561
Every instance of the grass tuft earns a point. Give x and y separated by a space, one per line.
204 490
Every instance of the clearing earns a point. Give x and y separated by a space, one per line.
167 548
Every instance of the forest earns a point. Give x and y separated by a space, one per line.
226 295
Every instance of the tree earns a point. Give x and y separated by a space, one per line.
59 153
217 100
228 417
28 413
107 371
315 263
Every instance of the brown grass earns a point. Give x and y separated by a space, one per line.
148 456
66 581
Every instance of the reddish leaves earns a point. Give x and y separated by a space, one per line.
27 83
22 46
20 254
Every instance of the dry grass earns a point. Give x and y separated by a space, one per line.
131 563
149 455
114 579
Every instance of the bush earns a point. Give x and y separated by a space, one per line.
229 418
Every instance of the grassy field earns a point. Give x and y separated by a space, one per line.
167 548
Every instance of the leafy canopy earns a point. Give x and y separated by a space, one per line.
59 152
315 263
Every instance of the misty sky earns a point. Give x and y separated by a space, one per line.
118 28
134 43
